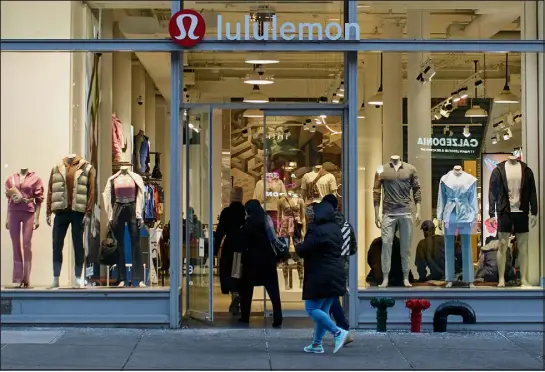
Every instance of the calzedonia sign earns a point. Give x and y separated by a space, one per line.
188 28
450 146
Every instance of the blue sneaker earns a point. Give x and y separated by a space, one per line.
339 340
314 349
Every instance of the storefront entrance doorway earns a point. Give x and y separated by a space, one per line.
284 157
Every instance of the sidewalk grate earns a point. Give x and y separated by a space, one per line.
30 337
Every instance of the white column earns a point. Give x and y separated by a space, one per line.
161 125
541 190
370 141
530 103
166 164
104 170
419 116
122 97
138 109
149 103
393 100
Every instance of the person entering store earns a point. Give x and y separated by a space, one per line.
324 278
349 240
231 220
258 263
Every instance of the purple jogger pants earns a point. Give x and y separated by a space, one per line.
22 260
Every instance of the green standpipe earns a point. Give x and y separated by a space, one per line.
382 304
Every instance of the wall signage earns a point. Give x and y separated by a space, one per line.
187 28
450 147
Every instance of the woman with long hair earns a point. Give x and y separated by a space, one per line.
325 277
258 263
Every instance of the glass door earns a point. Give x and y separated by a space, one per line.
302 162
197 226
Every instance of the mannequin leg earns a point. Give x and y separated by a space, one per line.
15 234
387 232
406 234
60 227
522 243
28 229
119 233
467 257
137 267
285 273
502 257
449 258
77 240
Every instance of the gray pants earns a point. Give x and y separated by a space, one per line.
389 223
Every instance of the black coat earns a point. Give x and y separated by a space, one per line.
325 276
258 259
231 220
498 192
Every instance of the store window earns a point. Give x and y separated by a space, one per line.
93 164
438 207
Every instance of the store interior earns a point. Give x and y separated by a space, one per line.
121 128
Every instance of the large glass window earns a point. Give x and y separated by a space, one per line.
448 161
89 167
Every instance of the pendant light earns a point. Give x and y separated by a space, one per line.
361 111
377 100
506 96
256 96
253 114
261 59
476 111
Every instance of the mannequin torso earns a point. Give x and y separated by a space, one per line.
513 173
314 188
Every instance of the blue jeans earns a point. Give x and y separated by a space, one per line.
464 229
337 312
318 310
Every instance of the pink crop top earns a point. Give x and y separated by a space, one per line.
125 189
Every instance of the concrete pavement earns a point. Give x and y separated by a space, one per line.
263 349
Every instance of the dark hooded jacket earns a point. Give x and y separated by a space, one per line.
487 269
321 251
231 220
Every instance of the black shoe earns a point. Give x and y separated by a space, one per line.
277 325
245 321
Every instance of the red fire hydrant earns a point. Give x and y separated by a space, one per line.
416 307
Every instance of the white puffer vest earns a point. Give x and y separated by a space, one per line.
59 198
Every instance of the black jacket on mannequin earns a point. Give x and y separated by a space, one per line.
498 193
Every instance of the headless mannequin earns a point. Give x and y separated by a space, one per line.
291 202
522 244
458 170
126 178
395 160
70 159
17 199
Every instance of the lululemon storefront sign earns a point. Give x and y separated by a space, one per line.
448 147
187 28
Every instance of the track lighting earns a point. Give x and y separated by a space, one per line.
478 82
446 130
463 92
427 73
498 124
494 140
335 98
313 129
323 116
517 118
306 125
507 134
436 115
448 106
466 132
476 111
444 112
361 111
377 100
341 87
455 97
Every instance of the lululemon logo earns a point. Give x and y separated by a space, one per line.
187 28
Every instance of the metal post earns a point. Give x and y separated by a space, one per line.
264 197
210 220
176 80
350 152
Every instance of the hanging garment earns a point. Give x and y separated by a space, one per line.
157 167
457 201
117 138
141 153
149 204
156 203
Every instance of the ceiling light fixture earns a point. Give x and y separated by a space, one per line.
361 111
463 92
476 111
322 99
508 134
341 87
455 97
427 72
323 116
494 140
335 98
256 96
377 100
313 129
506 96
253 114
259 79
261 59
306 125
466 132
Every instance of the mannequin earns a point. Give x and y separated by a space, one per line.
316 184
117 138
25 193
458 209
274 191
513 195
123 202
397 179
291 216
71 197
141 152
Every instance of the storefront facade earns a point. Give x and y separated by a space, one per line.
200 169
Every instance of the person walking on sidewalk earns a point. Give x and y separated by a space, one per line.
324 278
258 263
349 248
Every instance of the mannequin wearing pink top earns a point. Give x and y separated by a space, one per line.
25 193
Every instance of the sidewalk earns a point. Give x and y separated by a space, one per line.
264 349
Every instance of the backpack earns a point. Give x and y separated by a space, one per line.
350 246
